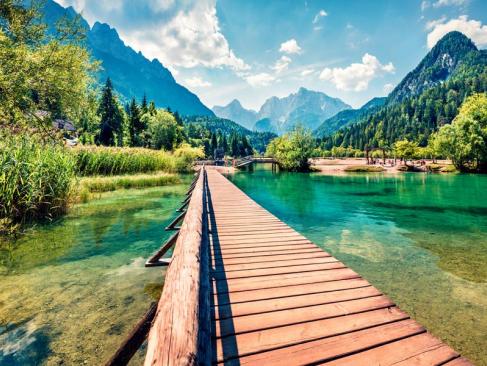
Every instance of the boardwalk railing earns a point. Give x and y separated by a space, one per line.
181 329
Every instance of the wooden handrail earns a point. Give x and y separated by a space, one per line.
180 334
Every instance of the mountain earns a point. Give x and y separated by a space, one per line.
437 66
131 72
306 107
347 117
427 98
235 112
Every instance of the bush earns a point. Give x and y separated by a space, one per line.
94 160
186 155
35 179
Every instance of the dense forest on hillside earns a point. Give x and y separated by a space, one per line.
417 116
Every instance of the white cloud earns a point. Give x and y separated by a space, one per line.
179 33
290 47
388 88
261 79
357 76
320 15
307 72
440 3
281 64
425 5
471 28
196 82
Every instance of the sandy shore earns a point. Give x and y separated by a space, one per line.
339 166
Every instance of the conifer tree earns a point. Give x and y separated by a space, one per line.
111 121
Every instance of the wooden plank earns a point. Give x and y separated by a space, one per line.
249 323
274 264
290 302
419 350
273 258
460 361
302 289
321 340
282 280
264 272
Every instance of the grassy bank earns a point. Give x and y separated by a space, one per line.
39 178
89 185
364 169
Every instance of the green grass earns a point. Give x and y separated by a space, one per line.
97 160
99 184
364 169
35 180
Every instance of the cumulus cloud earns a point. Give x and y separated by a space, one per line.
290 47
281 64
440 3
178 33
261 79
357 76
471 28
307 72
197 82
319 15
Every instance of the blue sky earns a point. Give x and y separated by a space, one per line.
254 49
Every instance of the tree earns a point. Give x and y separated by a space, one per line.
111 119
293 150
164 130
465 140
40 71
405 150
213 143
136 126
143 106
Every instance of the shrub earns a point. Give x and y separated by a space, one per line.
186 155
35 179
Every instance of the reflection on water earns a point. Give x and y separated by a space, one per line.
72 290
421 239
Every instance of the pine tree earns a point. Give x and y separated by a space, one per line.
214 143
135 124
143 106
111 121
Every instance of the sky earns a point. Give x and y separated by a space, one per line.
251 50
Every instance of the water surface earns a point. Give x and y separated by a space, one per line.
72 290
420 238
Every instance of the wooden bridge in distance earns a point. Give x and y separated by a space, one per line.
243 288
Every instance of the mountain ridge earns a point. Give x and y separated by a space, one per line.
132 74
306 107
236 112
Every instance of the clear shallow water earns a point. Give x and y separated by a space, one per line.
72 290
421 239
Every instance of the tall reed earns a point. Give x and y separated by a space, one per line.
35 179
97 160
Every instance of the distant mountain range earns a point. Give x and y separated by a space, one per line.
131 72
235 112
306 107
427 98
348 116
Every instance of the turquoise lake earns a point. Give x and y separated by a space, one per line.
420 238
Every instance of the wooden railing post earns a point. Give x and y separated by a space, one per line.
179 334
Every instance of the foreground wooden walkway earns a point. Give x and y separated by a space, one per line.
266 295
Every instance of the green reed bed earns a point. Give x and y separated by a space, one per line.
95 160
35 179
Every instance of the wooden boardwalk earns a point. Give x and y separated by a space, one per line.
275 298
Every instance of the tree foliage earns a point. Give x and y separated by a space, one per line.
465 140
40 71
293 150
